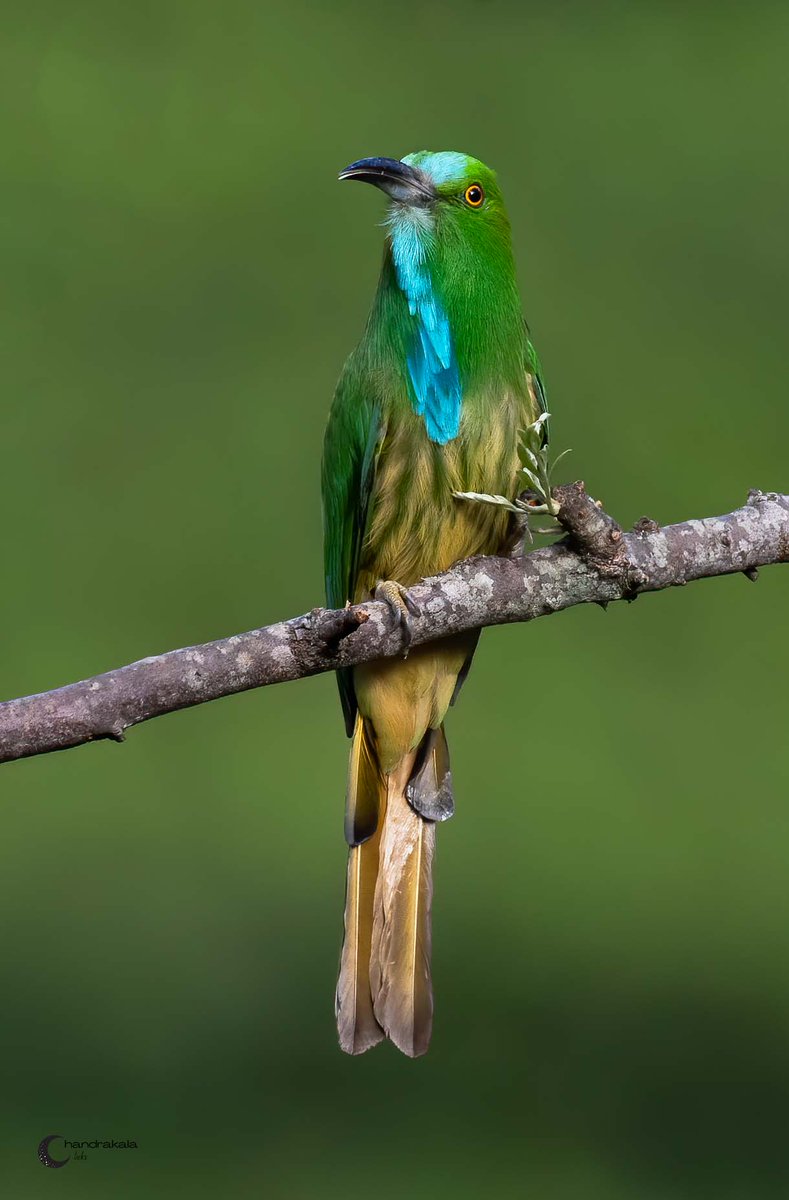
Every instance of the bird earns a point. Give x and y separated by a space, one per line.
430 403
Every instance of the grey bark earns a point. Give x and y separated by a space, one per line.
595 563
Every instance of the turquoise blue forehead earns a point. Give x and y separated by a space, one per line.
443 168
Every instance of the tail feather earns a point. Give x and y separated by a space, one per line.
400 966
429 790
384 987
356 1024
365 786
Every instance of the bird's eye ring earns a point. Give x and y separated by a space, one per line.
474 195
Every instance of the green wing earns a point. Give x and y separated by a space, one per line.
350 452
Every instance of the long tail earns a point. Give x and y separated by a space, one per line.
384 988
356 1024
400 960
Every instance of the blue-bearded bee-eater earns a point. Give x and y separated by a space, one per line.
430 403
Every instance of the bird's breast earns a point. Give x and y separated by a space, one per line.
416 526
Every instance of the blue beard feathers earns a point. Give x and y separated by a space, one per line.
432 364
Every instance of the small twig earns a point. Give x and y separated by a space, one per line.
597 537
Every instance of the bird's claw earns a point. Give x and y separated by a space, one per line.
402 606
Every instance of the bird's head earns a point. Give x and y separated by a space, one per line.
444 196
448 277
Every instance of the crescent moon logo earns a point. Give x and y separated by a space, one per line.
44 1156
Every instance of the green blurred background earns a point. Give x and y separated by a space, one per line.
182 277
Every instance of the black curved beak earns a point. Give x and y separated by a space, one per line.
397 179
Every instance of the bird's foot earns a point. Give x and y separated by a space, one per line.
402 606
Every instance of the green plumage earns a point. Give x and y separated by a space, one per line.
431 402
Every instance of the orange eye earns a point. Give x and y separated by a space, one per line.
474 195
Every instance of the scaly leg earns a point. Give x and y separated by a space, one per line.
402 606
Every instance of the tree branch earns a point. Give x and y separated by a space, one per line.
595 563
